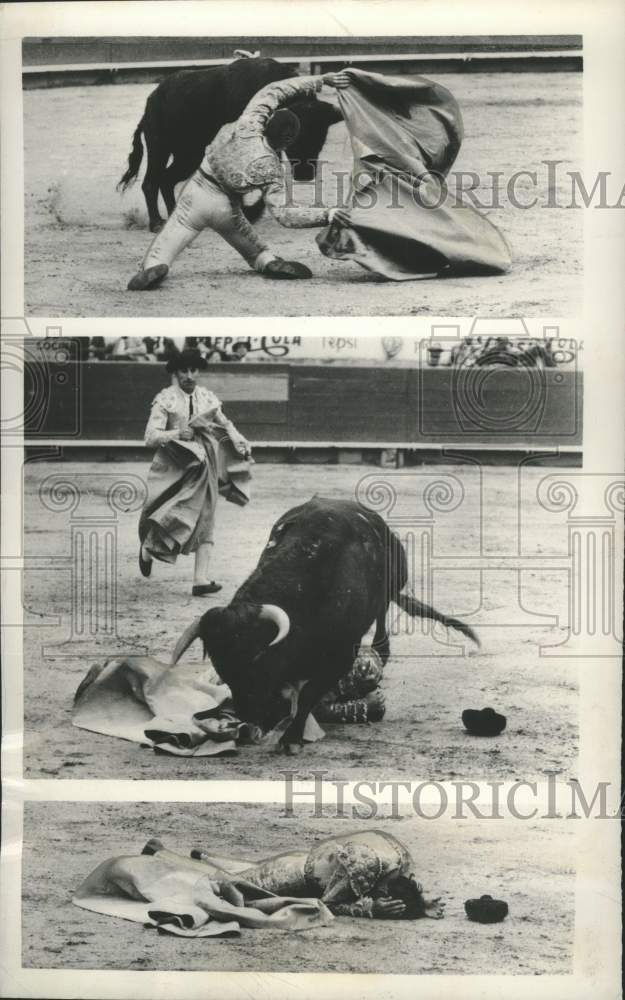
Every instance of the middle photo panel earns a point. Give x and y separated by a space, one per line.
352 551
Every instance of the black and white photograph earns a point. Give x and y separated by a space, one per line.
140 886
362 562
313 485
392 176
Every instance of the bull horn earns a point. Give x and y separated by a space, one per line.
190 634
272 613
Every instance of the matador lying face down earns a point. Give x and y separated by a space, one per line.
367 874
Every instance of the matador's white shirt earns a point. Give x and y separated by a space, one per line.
172 409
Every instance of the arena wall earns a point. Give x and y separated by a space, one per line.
62 62
320 406
57 51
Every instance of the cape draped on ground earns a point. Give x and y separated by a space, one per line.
184 481
405 134
192 894
185 897
184 710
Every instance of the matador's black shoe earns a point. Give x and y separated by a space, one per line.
287 270
145 565
151 277
153 846
202 589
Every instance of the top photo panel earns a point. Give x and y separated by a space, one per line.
395 176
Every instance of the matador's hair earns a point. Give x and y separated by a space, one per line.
282 129
410 893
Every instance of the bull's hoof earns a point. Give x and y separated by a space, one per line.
155 227
151 277
291 749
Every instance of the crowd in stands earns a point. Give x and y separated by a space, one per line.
502 351
470 351
155 349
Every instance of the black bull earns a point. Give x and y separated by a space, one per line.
187 109
329 570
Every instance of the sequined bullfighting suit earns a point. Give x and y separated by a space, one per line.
357 696
240 160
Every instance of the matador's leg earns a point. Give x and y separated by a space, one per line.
189 218
357 696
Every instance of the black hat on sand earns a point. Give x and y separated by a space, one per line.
189 358
486 910
484 722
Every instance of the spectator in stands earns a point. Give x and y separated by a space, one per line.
129 349
542 354
502 351
208 352
515 354
98 349
160 349
465 352
240 350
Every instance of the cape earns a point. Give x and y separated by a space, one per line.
405 134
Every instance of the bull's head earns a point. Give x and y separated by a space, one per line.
237 639
315 118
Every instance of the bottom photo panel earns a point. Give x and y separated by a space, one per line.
244 887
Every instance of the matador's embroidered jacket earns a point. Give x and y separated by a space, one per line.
172 409
240 159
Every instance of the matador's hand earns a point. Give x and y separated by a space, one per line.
340 215
337 80
186 434
242 446
387 908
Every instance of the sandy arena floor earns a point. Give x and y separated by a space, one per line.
83 241
427 684
529 864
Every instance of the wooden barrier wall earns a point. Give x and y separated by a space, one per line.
122 49
520 407
77 62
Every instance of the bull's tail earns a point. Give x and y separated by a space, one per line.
134 159
417 609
